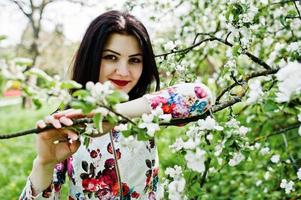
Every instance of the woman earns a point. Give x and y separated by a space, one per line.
115 48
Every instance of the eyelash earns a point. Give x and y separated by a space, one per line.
110 57
114 58
135 60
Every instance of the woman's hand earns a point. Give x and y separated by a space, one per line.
57 144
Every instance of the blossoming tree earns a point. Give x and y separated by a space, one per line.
248 52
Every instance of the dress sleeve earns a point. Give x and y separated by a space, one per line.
182 100
54 189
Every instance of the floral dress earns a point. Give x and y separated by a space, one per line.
93 171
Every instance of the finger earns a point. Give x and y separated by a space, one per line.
75 114
51 120
60 114
74 146
66 121
40 124
71 134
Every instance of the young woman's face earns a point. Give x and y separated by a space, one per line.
121 62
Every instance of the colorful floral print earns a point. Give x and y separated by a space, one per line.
182 101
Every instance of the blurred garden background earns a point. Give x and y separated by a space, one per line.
248 53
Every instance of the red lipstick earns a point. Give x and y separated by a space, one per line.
120 82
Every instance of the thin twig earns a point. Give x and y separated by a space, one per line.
291 158
298 11
118 114
186 49
246 79
283 130
286 1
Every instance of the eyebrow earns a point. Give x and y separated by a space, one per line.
137 54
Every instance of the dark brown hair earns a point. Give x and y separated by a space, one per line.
87 60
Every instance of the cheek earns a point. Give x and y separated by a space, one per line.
137 72
104 72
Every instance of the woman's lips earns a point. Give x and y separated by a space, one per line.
120 82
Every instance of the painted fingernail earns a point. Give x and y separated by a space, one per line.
40 124
57 124
66 121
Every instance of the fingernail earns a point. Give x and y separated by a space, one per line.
40 124
57 124
66 121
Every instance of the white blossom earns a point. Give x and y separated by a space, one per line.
237 158
289 81
267 175
209 137
174 171
294 46
191 143
255 91
264 150
196 160
176 188
258 183
209 124
90 129
288 186
233 123
151 127
257 145
178 145
170 45
275 158
121 127
243 131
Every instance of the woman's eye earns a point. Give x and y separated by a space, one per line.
110 57
135 60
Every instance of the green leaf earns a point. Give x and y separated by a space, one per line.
81 94
127 133
23 61
195 189
141 134
97 119
236 49
116 97
37 103
86 141
86 108
283 20
70 85
112 119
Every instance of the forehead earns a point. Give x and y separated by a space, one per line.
123 43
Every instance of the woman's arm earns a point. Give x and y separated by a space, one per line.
181 101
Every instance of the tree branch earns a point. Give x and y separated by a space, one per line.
213 38
186 49
251 56
21 8
246 79
285 1
298 11
281 131
215 108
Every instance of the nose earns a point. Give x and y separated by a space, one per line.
122 69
